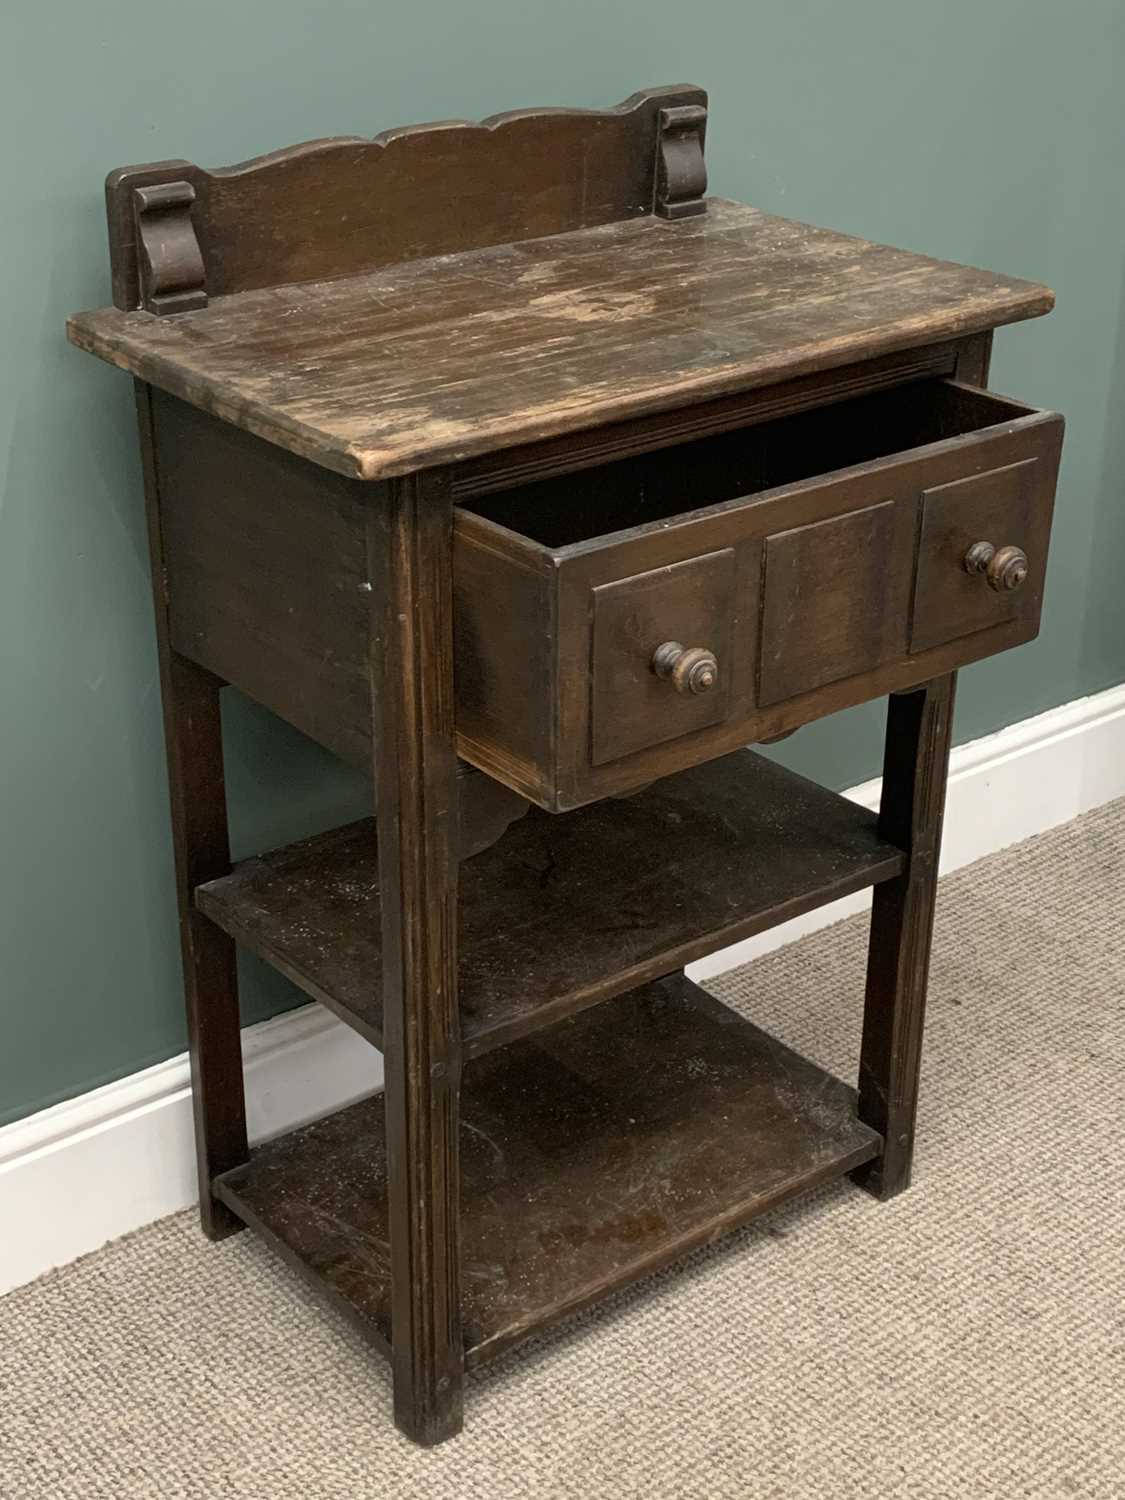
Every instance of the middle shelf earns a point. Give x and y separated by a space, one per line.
567 910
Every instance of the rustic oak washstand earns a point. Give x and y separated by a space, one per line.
500 460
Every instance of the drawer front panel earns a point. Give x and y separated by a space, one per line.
812 593
692 604
835 598
1005 514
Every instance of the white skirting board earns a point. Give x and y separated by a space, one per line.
84 1172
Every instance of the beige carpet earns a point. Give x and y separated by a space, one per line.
967 1339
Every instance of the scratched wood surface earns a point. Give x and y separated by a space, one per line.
564 911
435 361
347 204
603 1148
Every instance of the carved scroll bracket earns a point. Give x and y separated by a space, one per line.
681 172
172 274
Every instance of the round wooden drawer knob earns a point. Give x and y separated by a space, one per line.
1004 568
690 669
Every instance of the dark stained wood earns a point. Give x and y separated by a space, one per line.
501 673
1008 506
194 747
566 911
712 487
903 423
835 596
603 1149
694 602
170 263
915 768
268 581
268 584
435 361
576 451
681 178
486 809
915 773
974 359
265 560
410 557
346 205
811 613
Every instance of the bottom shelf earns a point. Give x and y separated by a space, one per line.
604 1148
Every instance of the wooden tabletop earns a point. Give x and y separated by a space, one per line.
433 361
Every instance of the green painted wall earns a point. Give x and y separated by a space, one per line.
986 132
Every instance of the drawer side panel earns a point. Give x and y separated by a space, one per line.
505 663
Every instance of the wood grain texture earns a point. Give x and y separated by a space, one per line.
573 452
603 1149
564 911
502 670
644 396
346 204
814 614
974 359
267 576
410 559
193 739
915 770
1007 506
435 361
835 598
694 602
170 265
911 812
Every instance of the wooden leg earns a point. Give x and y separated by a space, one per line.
410 554
193 741
915 766
974 359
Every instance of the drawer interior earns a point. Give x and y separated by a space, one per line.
573 508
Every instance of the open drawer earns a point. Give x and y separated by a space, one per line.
619 624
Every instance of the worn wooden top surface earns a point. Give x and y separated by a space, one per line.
438 360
